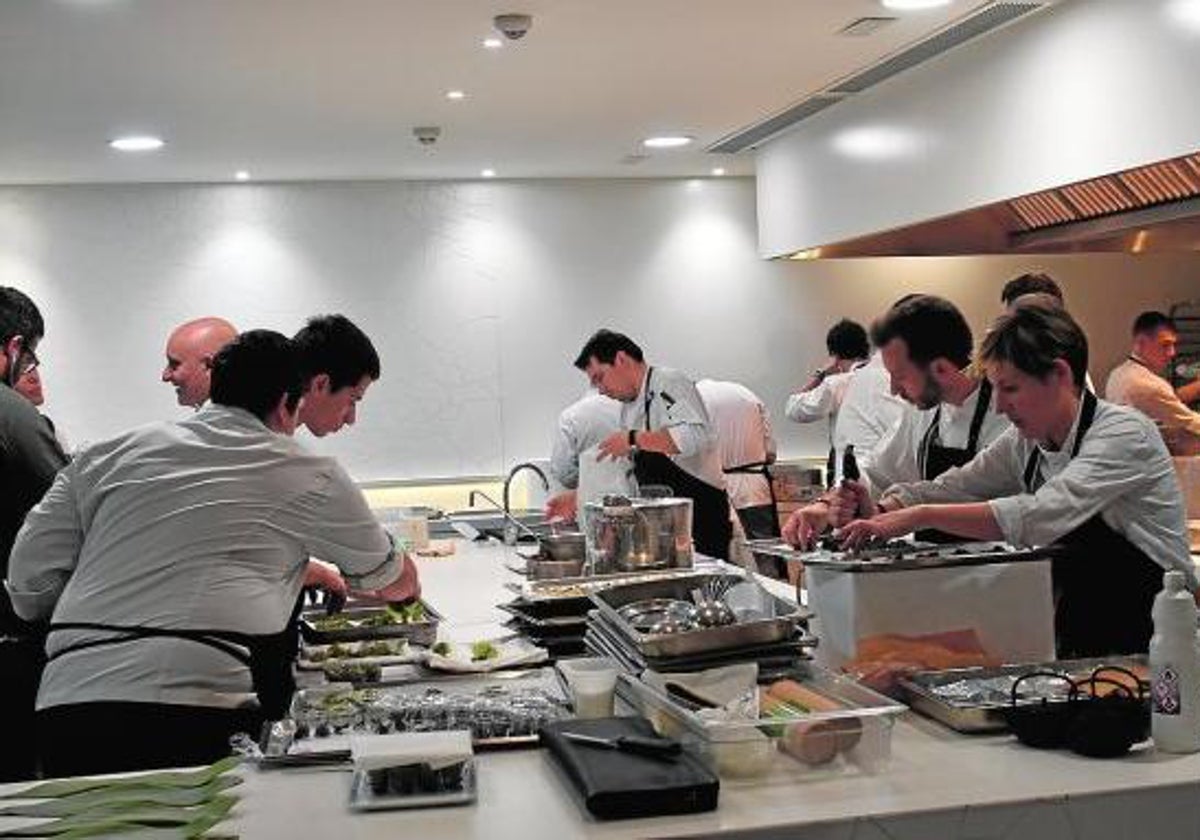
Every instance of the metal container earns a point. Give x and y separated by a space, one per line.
361 625
903 555
565 546
921 690
632 535
777 624
542 567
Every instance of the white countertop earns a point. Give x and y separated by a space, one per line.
938 784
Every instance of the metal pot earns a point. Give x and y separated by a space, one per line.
627 535
565 546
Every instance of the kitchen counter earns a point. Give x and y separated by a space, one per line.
939 783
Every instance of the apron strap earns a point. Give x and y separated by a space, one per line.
1086 415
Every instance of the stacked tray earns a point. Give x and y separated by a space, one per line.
556 624
774 638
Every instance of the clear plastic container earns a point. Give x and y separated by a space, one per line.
853 736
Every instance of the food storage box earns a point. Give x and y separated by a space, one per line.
417 622
852 735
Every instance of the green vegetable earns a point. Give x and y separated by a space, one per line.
162 779
441 648
332 622
483 651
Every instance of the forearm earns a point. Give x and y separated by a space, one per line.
660 441
1190 392
973 520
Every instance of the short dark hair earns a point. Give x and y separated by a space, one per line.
254 371
847 340
1033 336
1028 284
604 345
332 344
19 316
1153 321
931 327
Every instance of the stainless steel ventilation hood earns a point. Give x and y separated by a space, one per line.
1149 208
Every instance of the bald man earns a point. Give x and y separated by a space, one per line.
190 351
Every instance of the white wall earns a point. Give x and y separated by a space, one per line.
1088 87
477 295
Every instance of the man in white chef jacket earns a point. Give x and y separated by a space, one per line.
743 428
581 426
665 430
926 346
822 396
1090 477
1139 382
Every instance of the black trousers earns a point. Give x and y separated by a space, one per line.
88 738
21 663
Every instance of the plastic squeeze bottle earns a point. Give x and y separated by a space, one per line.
1175 668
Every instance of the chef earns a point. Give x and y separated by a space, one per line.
665 429
581 426
925 343
1092 477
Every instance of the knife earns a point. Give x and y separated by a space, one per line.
663 748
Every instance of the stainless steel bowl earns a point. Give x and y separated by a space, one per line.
544 568
566 546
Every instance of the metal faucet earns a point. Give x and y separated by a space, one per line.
525 465
520 526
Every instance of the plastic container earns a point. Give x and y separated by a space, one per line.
593 684
1175 668
855 738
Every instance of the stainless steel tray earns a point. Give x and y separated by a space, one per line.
904 556
920 694
582 587
763 631
422 633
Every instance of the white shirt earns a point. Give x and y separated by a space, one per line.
675 405
868 412
743 436
821 401
582 425
895 460
1132 383
206 523
1122 472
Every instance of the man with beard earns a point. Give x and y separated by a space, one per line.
926 345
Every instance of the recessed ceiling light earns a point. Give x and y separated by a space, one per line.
136 143
668 141
488 173
913 5
718 171
493 43
455 94
242 175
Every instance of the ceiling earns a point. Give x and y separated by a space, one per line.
331 89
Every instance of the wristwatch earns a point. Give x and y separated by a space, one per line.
633 447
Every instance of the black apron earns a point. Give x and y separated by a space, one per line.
269 657
933 459
1104 585
758 521
711 528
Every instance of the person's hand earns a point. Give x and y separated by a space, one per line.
325 577
848 502
885 526
805 525
404 588
614 446
562 507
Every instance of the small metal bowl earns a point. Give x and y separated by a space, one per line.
643 615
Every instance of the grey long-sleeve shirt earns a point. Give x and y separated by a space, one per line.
207 523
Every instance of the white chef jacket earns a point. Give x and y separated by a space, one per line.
895 459
823 400
582 425
206 523
675 405
744 437
869 410
1122 472
1132 383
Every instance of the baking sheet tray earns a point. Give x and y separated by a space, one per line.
422 633
903 556
582 587
781 627
989 716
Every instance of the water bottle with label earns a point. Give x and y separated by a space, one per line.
1175 668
